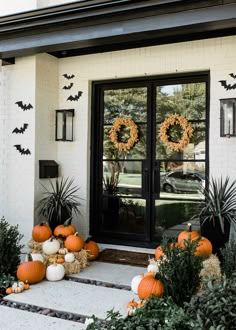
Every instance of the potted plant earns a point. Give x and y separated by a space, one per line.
110 200
217 212
59 202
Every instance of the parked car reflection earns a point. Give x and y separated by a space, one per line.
182 181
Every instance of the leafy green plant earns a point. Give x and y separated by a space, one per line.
111 184
6 281
220 202
60 201
156 314
10 248
228 265
215 307
180 270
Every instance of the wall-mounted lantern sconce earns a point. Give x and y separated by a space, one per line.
227 117
64 125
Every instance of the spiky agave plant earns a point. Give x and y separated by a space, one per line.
220 202
60 201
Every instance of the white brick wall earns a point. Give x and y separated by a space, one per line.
18 81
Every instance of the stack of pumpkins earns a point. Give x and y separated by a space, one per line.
56 255
146 285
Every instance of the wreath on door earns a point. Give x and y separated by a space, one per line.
187 132
116 127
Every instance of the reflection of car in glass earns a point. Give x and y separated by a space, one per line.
178 181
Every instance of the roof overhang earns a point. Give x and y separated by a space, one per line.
91 26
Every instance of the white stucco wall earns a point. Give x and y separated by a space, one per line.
216 55
16 6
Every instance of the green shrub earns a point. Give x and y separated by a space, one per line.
10 248
157 314
215 308
180 270
228 265
5 282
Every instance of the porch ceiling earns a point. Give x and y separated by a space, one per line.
97 26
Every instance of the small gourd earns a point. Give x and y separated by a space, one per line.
69 257
17 287
63 251
55 272
9 290
51 246
60 260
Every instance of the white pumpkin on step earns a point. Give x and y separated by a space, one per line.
55 272
51 246
135 282
69 257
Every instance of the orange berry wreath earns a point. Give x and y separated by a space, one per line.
187 132
124 146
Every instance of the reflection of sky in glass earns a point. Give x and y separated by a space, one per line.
171 89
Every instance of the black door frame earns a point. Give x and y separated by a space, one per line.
96 146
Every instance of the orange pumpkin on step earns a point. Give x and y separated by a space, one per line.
149 286
159 253
204 248
74 243
31 271
187 234
65 229
92 248
41 232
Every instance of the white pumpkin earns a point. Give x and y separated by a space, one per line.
153 268
69 257
135 283
16 285
35 257
51 246
55 272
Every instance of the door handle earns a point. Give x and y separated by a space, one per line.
145 182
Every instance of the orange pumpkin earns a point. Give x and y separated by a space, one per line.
65 229
158 252
8 290
92 248
149 286
74 242
204 248
31 271
60 260
26 285
187 234
41 232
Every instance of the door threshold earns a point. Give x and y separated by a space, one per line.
104 246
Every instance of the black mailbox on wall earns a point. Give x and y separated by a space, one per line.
48 169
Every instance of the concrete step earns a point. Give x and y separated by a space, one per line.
14 319
94 291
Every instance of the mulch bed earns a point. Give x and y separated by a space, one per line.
125 257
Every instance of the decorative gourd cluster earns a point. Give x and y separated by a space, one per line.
54 256
148 284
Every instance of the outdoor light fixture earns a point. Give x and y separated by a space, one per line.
64 125
227 117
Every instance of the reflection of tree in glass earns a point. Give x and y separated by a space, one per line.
188 100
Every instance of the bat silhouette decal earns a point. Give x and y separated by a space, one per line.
75 97
67 76
24 106
22 151
68 87
227 86
20 130
232 75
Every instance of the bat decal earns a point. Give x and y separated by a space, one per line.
68 87
232 75
227 86
67 76
22 151
20 130
24 106
75 97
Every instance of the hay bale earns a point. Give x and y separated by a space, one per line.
211 268
82 257
72 267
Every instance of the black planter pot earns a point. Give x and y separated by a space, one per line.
55 220
213 232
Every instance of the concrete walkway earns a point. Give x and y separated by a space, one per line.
94 291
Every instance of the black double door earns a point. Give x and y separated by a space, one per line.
149 190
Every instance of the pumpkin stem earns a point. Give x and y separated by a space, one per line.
42 223
189 227
29 257
76 234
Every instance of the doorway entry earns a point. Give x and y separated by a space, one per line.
142 185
